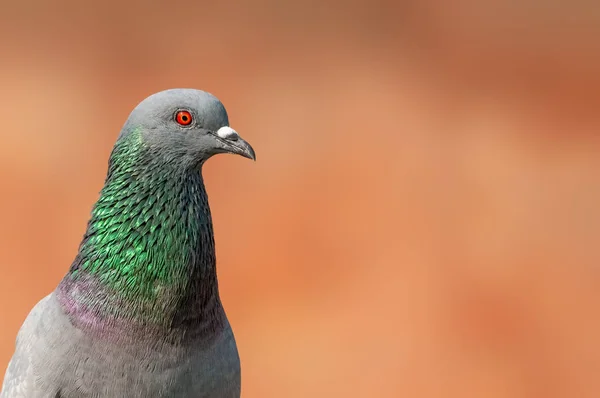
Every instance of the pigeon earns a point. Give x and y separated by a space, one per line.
139 314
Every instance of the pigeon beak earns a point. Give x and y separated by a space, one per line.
234 143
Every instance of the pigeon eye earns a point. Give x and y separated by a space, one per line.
184 118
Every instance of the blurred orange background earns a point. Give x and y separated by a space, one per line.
423 217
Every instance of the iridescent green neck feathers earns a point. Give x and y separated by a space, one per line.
148 255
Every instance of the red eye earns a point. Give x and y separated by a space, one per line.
184 118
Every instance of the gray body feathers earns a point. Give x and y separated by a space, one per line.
54 359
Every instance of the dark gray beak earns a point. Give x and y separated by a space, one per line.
234 143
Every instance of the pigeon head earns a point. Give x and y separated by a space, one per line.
183 126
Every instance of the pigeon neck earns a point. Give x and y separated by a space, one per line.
147 260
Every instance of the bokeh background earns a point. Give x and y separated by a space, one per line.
422 221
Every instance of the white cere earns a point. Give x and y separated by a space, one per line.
227 133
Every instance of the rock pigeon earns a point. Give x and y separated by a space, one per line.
139 314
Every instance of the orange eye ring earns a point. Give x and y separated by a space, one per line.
184 118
